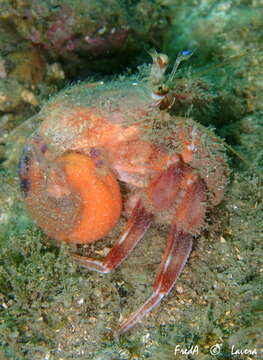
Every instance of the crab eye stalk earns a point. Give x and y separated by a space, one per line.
71 200
182 56
159 66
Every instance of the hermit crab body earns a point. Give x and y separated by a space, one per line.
95 136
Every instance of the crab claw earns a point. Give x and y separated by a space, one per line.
136 227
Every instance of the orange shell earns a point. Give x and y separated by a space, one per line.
81 206
100 195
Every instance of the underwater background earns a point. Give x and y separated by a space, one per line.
50 308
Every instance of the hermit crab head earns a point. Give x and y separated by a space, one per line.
94 137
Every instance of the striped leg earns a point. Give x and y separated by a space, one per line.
177 251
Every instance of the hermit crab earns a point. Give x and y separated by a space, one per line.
109 149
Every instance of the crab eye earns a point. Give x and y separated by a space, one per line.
185 54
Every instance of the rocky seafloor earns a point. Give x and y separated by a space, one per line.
52 309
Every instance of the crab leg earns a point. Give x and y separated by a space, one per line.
137 225
177 251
